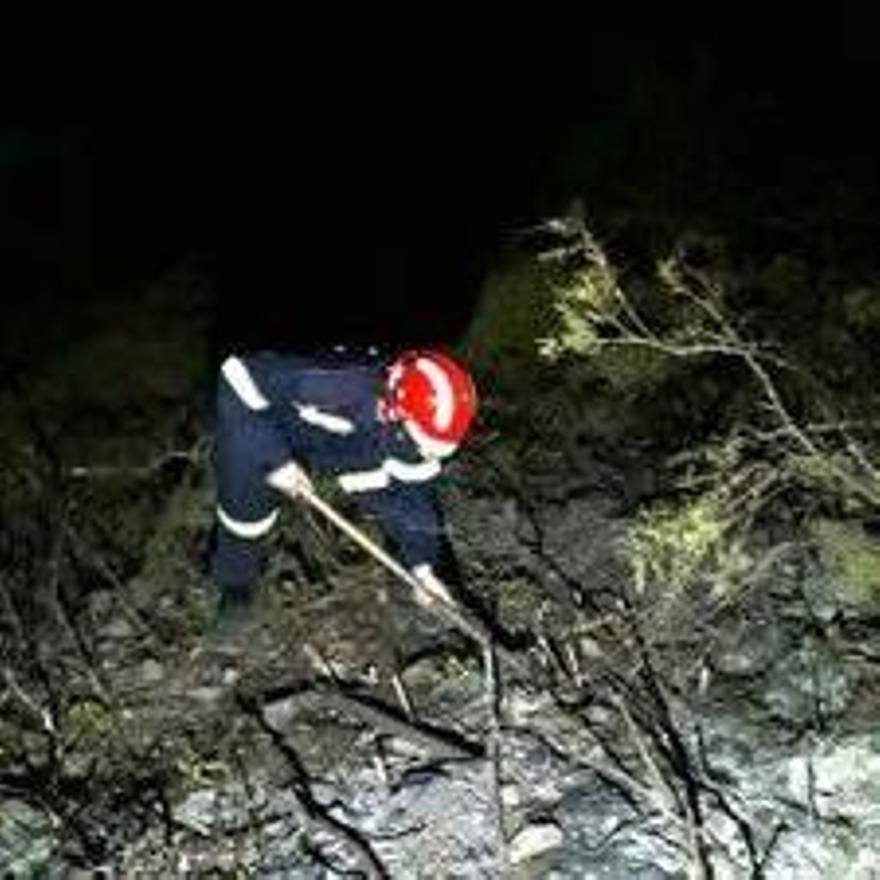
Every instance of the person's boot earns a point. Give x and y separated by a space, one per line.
234 566
232 620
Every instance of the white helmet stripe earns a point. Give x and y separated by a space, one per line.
429 446
442 388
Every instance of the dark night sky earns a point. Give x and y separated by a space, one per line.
343 213
366 206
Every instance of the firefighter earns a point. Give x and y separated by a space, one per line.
382 428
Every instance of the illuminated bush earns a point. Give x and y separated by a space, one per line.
640 338
676 546
853 556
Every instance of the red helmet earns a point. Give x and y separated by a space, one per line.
434 396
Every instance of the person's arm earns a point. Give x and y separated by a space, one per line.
409 517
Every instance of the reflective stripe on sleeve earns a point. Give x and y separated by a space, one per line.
250 530
411 473
327 421
366 481
239 377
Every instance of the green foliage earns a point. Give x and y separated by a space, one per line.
600 323
853 557
861 308
587 297
632 372
701 533
518 392
195 770
515 308
517 602
827 477
675 546
87 723
456 668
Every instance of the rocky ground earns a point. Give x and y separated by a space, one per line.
350 732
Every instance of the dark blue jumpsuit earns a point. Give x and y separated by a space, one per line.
321 413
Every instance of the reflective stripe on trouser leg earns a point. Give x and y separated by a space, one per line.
248 446
251 530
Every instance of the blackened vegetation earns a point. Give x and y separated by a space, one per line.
63 552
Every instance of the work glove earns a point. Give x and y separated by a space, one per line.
291 479
433 588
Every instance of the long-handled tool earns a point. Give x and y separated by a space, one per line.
441 606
